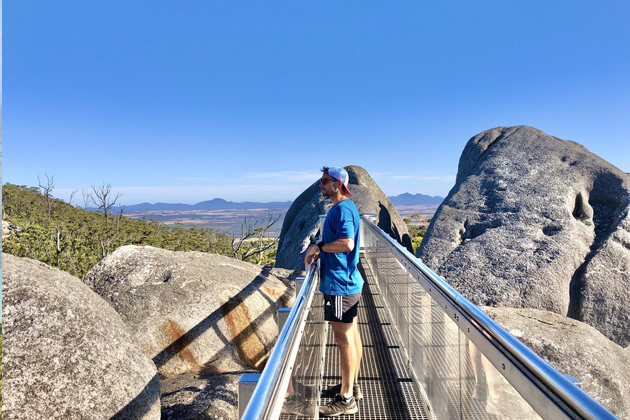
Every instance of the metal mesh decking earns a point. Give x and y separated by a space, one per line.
388 390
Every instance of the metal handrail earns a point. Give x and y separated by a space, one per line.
571 396
266 400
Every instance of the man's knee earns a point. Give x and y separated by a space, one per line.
343 332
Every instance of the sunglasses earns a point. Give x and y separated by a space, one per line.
324 181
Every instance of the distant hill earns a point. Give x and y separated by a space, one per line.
219 203
407 199
214 204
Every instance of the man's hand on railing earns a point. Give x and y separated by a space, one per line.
312 254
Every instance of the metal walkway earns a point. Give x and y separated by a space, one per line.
389 391
421 340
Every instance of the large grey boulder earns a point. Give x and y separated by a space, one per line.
574 348
301 222
536 221
67 353
193 312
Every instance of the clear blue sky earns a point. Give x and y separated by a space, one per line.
184 101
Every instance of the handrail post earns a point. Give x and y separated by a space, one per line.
320 224
299 283
370 217
283 314
246 385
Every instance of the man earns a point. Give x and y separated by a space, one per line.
341 283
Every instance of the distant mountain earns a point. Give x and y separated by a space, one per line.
157 207
214 204
219 203
407 199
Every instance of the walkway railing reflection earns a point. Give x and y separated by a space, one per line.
465 365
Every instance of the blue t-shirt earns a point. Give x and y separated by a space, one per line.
339 273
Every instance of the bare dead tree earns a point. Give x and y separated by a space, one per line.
86 198
58 243
103 252
46 191
102 197
72 194
255 236
119 218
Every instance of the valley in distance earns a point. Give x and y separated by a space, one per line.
228 216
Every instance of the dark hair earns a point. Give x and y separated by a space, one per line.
325 170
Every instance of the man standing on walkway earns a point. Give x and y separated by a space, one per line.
341 283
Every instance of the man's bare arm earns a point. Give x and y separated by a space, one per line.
338 245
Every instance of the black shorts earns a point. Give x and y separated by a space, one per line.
341 308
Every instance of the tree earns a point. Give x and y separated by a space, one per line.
119 218
417 234
58 243
253 241
86 198
72 194
103 199
46 190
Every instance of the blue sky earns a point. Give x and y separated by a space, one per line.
191 100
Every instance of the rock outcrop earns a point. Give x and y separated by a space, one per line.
194 312
539 222
8 229
67 353
574 348
203 396
301 222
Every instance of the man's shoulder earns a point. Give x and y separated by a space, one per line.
349 204
350 207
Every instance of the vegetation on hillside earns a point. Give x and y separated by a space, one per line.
416 230
74 239
417 234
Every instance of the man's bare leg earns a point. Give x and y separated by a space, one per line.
345 338
290 390
359 346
